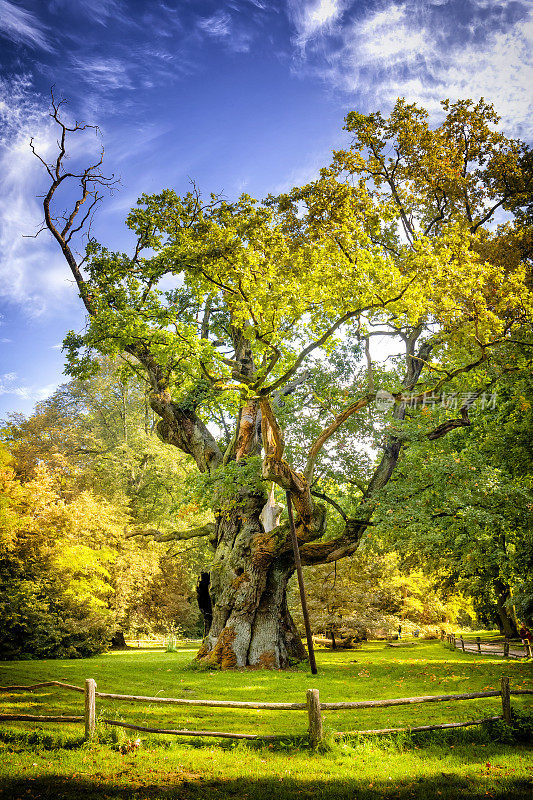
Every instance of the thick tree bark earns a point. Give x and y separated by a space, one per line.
251 623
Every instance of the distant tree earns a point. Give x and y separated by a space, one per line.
395 238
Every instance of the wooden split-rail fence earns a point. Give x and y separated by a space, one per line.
313 705
484 648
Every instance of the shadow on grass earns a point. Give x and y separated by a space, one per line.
483 735
179 787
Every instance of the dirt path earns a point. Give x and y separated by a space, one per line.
490 649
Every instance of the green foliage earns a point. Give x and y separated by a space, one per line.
226 487
54 590
463 509
370 595
520 729
84 469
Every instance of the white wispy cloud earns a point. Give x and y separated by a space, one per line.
22 27
424 52
100 11
10 384
104 73
236 37
312 17
218 25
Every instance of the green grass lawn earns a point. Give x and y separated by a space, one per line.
50 762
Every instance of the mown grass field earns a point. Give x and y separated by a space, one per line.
51 762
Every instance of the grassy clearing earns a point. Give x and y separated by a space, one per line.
51 762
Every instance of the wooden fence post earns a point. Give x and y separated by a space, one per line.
315 717
90 709
463 644
529 653
478 642
506 648
454 641
506 700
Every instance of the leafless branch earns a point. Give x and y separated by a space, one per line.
89 179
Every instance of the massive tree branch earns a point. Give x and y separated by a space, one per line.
275 469
158 536
450 425
273 441
393 445
344 545
248 441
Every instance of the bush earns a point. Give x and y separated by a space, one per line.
39 625
520 729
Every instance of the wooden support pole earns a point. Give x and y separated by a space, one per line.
310 648
462 643
315 717
478 642
506 648
506 700
454 643
90 709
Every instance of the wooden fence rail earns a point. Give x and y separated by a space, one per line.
313 705
476 647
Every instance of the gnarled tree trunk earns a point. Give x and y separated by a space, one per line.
251 623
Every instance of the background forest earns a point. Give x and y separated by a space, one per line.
93 506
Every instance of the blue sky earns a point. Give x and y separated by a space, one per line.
239 95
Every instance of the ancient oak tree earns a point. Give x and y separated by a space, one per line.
223 306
